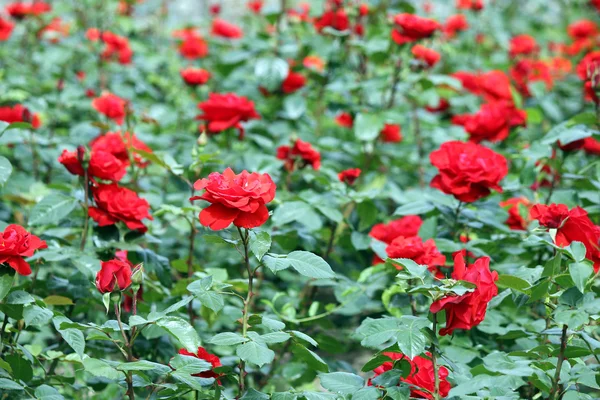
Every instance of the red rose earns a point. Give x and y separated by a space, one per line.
16 243
407 226
349 176
442 106
468 310
410 28
120 145
345 120
226 29
255 6
116 45
206 356
363 10
224 111
526 71
215 9
20 10
475 5
19 113
54 30
421 375
572 226
193 46
302 152
195 76
428 56
111 106
391 133
492 122
102 165
591 146
588 65
469 81
455 23
6 28
522 45
515 220
423 253
495 86
293 82
114 275
582 29
115 203
240 199
589 92
337 20
468 171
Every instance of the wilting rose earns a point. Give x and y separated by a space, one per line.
582 29
468 310
515 220
115 203
15 244
571 226
428 56
102 165
111 106
226 29
335 19
522 45
206 356
492 122
454 24
239 199
391 133
345 120
410 28
299 155
421 375
468 171
195 76
193 46
224 111
19 113
6 28
293 82
349 176
423 253
114 275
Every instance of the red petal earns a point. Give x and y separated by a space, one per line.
217 216
252 220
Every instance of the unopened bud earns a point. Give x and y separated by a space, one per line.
137 276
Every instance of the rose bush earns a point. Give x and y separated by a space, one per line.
300 200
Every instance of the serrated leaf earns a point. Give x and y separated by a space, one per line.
182 331
52 209
255 353
228 339
5 170
309 264
341 382
260 243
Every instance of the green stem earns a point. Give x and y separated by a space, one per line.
561 358
247 304
432 350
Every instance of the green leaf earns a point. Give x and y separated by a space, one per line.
101 368
580 272
270 72
182 331
144 365
367 126
5 170
341 382
35 315
311 358
6 282
375 362
513 282
19 297
255 353
253 394
414 208
309 264
578 251
227 339
52 209
276 264
189 365
18 125
45 392
21 367
260 243
7 384
305 337
72 336
275 337
412 341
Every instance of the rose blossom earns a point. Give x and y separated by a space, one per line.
468 310
391 133
239 199
206 356
302 152
195 76
115 203
226 29
15 244
114 275
6 28
423 253
428 56
410 28
293 82
515 220
522 45
349 176
111 106
224 111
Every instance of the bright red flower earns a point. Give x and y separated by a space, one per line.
468 310
363 10
423 253
526 71
215 9
6 28
572 226
15 244
410 28
349 176
442 106
391 133
475 5
114 275
429 56
468 171
206 356
111 106
255 6
193 46
299 155
582 29
20 10
335 19
120 145
454 24
589 92
102 165
345 120
19 113
115 203
224 29
54 30
239 199
116 46
588 65
522 45
195 76
515 220
495 86
469 81
492 122
591 146
302 14
224 111
407 226
293 82
421 375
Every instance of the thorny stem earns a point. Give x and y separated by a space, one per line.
561 358
247 304
432 350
